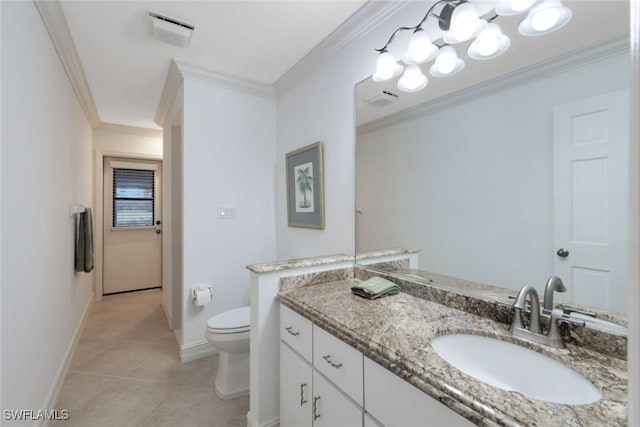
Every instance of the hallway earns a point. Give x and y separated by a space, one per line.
126 371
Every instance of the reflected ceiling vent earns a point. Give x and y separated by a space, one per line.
382 99
170 30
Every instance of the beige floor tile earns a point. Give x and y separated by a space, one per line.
164 366
89 348
123 403
119 359
205 372
198 406
79 388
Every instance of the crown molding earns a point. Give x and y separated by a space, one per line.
129 130
511 80
178 71
223 79
56 24
171 86
360 23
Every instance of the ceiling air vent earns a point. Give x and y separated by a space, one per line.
170 30
383 98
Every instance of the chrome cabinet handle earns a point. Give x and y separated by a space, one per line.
327 359
316 415
290 330
562 253
302 399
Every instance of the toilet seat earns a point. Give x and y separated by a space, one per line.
234 321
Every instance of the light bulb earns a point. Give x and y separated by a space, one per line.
386 67
446 62
464 24
488 44
545 19
421 49
412 80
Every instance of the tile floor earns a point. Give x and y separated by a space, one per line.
126 371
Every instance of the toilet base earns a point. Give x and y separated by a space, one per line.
232 379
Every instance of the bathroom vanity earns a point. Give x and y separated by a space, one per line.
345 360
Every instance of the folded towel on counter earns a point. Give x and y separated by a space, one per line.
375 287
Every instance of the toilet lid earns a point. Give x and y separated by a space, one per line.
235 319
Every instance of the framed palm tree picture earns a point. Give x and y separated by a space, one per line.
305 192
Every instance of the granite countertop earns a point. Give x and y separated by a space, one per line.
267 267
396 332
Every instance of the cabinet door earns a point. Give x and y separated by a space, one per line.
295 389
396 403
331 408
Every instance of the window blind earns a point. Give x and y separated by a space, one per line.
133 197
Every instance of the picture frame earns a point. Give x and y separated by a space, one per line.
305 187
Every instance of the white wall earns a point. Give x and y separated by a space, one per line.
228 159
322 108
46 165
127 140
472 184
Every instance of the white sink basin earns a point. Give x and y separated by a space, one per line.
514 368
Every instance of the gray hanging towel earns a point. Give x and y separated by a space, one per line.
84 241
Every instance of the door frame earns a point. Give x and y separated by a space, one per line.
98 203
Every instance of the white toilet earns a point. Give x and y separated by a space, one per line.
229 333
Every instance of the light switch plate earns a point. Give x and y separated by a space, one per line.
226 212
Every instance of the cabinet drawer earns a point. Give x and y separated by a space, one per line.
411 406
296 331
339 362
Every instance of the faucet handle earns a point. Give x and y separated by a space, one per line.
568 310
566 318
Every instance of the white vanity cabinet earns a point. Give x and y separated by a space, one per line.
324 382
307 398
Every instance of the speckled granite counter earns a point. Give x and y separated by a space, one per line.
396 332
299 262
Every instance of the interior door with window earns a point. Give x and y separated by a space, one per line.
132 253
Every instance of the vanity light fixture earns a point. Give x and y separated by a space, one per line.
458 21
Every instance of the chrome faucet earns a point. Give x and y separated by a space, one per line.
519 305
553 284
534 333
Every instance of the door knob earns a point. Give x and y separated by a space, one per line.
562 253
158 231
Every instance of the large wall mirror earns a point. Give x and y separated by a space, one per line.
514 169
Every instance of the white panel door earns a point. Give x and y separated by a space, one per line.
132 253
591 146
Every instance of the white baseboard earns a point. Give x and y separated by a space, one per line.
52 397
197 350
253 423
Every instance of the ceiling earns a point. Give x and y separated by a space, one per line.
593 22
255 40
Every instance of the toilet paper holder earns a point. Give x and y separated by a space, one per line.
200 288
